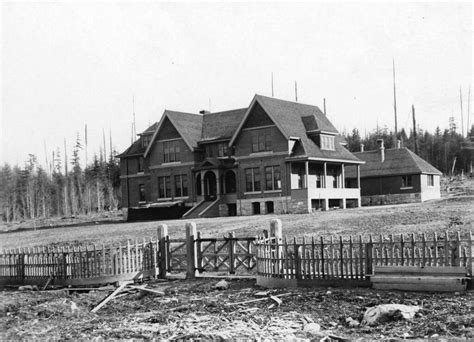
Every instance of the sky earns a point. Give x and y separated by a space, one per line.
67 64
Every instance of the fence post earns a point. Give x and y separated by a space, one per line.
276 236
231 253
191 256
162 255
369 256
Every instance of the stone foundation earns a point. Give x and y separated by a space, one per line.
391 199
245 207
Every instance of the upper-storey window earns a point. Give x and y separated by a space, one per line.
171 151
222 149
261 141
327 142
141 164
145 139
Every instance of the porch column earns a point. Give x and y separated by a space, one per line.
358 176
358 186
343 176
325 204
343 203
325 173
203 193
218 184
306 174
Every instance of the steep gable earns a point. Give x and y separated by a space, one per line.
257 118
167 131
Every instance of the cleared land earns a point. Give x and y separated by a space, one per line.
197 310
453 213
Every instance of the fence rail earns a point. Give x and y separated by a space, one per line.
354 258
271 256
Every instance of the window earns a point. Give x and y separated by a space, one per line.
327 142
406 182
252 179
430 180
171 151
262 141
145 139
141 164
141 193
181 185
222 150
272 178
164 187
209 151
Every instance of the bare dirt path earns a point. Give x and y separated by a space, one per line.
195 309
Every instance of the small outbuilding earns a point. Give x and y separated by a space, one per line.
396 175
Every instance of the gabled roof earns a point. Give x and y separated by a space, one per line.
188 125
295 119
398 161
135 149
150 130
221 125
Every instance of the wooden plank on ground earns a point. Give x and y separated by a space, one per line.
110 296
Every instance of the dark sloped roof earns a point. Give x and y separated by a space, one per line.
188 125
150 130
221 125
295 119
398 161
134 150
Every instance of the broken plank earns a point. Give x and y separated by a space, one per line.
258 300
110 296
143 288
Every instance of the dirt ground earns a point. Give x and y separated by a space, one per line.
197 310
455 211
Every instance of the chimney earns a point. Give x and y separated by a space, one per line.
399 144
382 149
362 147
204 112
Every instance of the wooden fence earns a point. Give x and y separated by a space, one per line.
158 257
353 259
271 257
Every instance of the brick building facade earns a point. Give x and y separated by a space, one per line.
274 156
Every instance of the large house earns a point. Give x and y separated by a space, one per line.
396 175
274 156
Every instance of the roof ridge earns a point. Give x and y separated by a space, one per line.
226 111
283 100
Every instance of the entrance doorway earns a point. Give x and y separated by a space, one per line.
210 189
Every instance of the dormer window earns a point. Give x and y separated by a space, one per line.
145 140
327 142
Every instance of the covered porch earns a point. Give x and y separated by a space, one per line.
322 184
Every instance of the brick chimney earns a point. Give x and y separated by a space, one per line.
382 149
362 147
399 144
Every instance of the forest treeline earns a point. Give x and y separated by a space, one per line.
444 149
66 189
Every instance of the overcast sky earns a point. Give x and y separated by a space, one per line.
67 64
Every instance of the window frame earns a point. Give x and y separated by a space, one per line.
141 165
182 181
141 193
252 178
164 187
327 142
407 182
171 151
274 181
430 180
262 141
